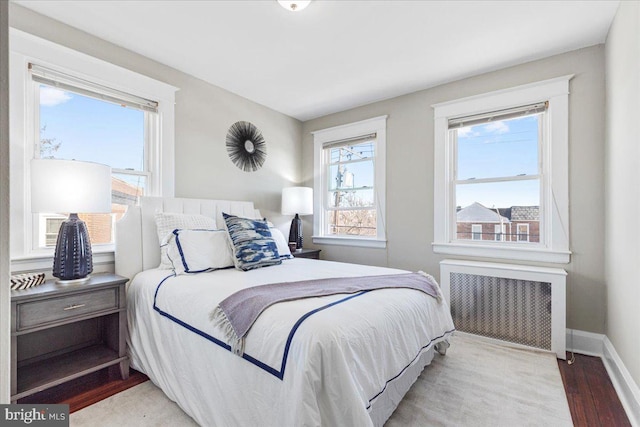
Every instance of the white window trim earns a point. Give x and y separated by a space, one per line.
473 233
351 130
555 169
518 232
26 48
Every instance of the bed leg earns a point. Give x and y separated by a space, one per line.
442 347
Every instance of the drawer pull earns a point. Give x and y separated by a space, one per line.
73 307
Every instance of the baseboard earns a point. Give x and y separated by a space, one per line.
628 391
599 345
585 342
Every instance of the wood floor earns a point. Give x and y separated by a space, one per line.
87 390
592 399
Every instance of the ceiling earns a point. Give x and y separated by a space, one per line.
336 55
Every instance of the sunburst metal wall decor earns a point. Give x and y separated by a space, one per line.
246 146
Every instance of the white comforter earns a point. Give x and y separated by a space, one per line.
339 358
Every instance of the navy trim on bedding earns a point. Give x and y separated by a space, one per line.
425 347
280 373
273 371
176 233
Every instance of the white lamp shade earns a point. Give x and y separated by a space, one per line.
297 200
70 186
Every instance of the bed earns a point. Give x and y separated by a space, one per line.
341 359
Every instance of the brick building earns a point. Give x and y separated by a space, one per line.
513 224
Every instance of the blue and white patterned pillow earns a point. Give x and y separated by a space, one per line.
253 244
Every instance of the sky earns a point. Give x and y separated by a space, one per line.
355 174
92 130
499 149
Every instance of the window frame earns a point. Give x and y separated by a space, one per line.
500 233
150 145
321 137
456 182
554 182
476 233
519 234
26 48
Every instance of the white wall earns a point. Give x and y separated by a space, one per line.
410 151
622 201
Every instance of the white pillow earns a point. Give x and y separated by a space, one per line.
167 222
281 243
196 251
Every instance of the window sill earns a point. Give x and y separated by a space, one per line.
44 261
507 252
350 241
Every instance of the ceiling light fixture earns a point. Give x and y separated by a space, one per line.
294 6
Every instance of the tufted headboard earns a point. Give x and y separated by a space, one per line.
137 246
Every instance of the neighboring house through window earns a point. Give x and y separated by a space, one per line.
501 160
349 186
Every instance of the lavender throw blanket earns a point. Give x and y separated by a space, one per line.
237 313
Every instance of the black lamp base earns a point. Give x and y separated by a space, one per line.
295 232
73 260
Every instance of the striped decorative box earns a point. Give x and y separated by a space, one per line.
25 281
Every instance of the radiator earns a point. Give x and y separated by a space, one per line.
523 305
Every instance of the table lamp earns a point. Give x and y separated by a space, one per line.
71 186
298 201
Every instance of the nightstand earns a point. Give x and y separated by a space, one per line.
307 253
61 332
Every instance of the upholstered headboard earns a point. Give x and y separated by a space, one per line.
137 246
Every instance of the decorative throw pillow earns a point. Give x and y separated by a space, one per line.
167 222
252 242
196 251
281 243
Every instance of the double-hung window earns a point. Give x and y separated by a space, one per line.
349 184
497 167
476 231
81 120
523 232
501 160
68 105
500 231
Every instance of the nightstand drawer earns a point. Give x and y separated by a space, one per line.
32 314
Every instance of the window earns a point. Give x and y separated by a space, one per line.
51 227
502 158
349 184
79 120
476 231
497 163
523 232
68 105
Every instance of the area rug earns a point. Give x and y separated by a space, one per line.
478 383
